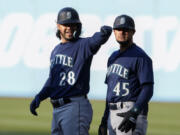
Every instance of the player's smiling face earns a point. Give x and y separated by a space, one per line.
123 35
67 31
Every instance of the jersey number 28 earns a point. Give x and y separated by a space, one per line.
69 77
121 86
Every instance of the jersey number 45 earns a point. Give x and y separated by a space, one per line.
121 86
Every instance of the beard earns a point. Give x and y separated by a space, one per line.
67 37
125 43
71 38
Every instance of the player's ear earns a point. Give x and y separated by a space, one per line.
132 32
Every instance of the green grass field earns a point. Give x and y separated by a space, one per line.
15 118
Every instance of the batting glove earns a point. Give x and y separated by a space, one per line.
129 121
106 30
102 129
34 104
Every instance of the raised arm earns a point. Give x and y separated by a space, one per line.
99 38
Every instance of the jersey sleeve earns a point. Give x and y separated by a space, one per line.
108 63
94 43
144 97
46 89
145 70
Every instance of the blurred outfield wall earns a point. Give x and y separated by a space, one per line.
27 36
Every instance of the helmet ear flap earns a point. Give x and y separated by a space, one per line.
77 33
58 34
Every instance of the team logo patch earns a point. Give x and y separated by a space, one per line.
68 15
122 20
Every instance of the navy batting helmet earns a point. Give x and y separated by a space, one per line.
68 15
124 21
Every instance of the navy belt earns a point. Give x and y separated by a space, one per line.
115 106
62 101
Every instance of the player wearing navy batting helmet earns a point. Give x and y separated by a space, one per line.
68 81
130 84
